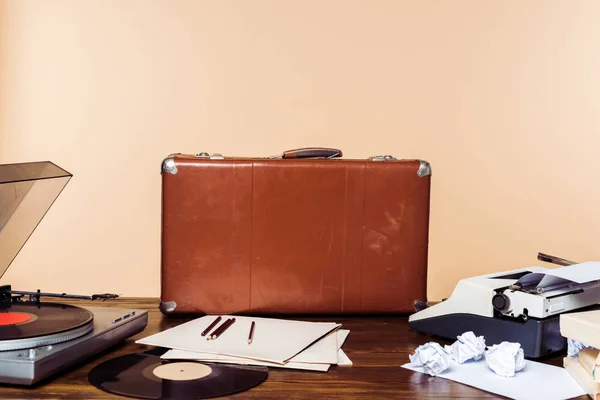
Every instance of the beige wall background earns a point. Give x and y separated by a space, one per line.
503 98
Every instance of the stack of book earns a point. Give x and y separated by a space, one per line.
584 327
277 343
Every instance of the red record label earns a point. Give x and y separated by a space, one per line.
12 318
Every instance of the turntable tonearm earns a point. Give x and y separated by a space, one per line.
38 338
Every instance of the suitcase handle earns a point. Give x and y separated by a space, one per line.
312 152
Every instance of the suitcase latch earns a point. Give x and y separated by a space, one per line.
383 158
215 156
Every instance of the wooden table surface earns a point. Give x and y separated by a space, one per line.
377 346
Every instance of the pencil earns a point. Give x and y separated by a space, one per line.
212 325
225 327
214 334
251 335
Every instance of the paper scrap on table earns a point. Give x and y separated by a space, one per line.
275 340
431 357
535 381
574 347
301 361
505 359
467 347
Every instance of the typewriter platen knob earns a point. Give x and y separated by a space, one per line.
501 302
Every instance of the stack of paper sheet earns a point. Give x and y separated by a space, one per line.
276 343
583 329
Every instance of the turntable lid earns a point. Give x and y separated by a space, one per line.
27 191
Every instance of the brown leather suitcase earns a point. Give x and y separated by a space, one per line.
308 232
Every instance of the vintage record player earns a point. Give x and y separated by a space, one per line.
39 338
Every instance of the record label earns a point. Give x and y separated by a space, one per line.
13 318
42 319
147 376
182 371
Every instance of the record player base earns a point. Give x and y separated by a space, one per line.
377 346
27 366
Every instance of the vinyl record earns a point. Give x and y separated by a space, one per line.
29 320
147 376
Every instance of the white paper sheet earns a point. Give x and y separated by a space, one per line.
342 335
275 340
189 355
337 338
343 359
535 381
578 273
322 352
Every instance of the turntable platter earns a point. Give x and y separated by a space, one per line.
25 325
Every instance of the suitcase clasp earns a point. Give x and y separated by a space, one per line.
215 156
385 157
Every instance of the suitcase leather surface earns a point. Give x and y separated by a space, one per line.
293 236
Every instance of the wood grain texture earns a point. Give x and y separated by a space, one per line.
377 346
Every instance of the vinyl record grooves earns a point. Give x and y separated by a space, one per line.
27 325
43 319
147 376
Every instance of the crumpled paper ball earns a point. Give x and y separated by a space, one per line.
432 357
505 359
574 347
467 347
